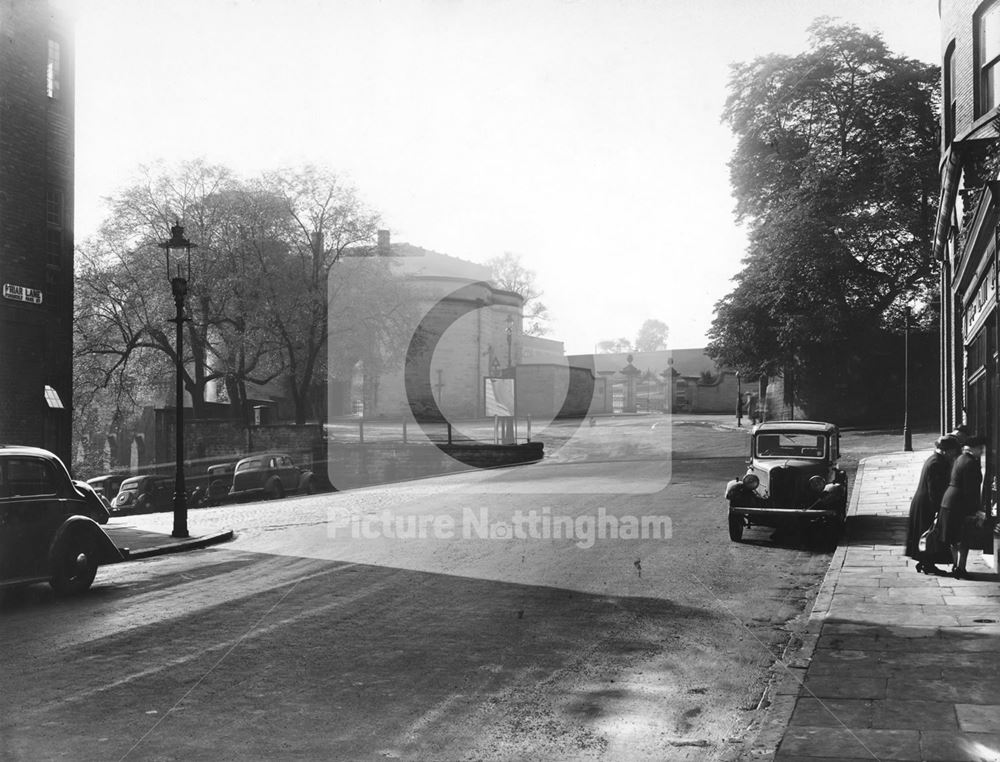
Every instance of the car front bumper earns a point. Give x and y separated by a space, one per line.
818 513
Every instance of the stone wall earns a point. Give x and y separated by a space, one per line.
361 465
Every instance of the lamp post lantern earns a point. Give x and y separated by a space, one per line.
178 273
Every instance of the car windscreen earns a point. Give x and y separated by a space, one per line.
788 444
247 465
129 487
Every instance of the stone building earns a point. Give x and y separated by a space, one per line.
36 225
966 230
464 330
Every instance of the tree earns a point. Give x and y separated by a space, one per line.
652 336
510 275
614 346
835 173
261 297
322 219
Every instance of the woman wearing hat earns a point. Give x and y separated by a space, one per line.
962 501
926 502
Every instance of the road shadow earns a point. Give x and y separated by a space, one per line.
878 530
818 542
330 660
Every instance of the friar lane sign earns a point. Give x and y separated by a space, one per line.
22 293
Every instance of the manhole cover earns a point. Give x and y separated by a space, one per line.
985 621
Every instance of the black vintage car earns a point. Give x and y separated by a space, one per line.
144 494
271 475
792 479
48 523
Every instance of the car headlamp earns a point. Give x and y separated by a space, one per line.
817 483
750 481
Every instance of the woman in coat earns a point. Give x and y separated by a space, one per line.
926 502
961 501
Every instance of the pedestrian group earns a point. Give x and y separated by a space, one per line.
947 516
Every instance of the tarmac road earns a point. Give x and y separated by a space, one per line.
317 635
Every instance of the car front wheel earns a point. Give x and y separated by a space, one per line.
75 566
735 527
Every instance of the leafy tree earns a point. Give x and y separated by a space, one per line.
652 336
510 275
123 298
260 300
322 218
835 173
614 346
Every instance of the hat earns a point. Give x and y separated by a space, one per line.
961 433
947 443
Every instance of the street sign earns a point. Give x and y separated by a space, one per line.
22 293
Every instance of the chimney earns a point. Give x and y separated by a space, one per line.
383 243
317 247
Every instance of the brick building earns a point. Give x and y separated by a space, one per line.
967 229
36 225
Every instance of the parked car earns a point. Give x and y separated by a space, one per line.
220 480
107 485
144 494
271 474
98 507
47 532
792 479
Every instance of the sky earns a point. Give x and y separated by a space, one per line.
583 136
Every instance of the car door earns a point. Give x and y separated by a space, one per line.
35 506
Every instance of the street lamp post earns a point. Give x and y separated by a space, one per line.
907 437
510 337
178 272
739 397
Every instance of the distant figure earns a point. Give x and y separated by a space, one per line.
752 408
593 420
739 410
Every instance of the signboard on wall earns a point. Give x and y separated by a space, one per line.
22 293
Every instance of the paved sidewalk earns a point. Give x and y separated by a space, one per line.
142 543
904 666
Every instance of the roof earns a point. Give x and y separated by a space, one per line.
26 450
820 427
416 261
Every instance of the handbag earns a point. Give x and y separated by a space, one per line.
930 541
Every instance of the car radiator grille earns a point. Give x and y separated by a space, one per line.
787 488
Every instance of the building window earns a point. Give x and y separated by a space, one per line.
54 207
988 57
53 245
949 98
52 71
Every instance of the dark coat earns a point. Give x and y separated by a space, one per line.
926 502
962 498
